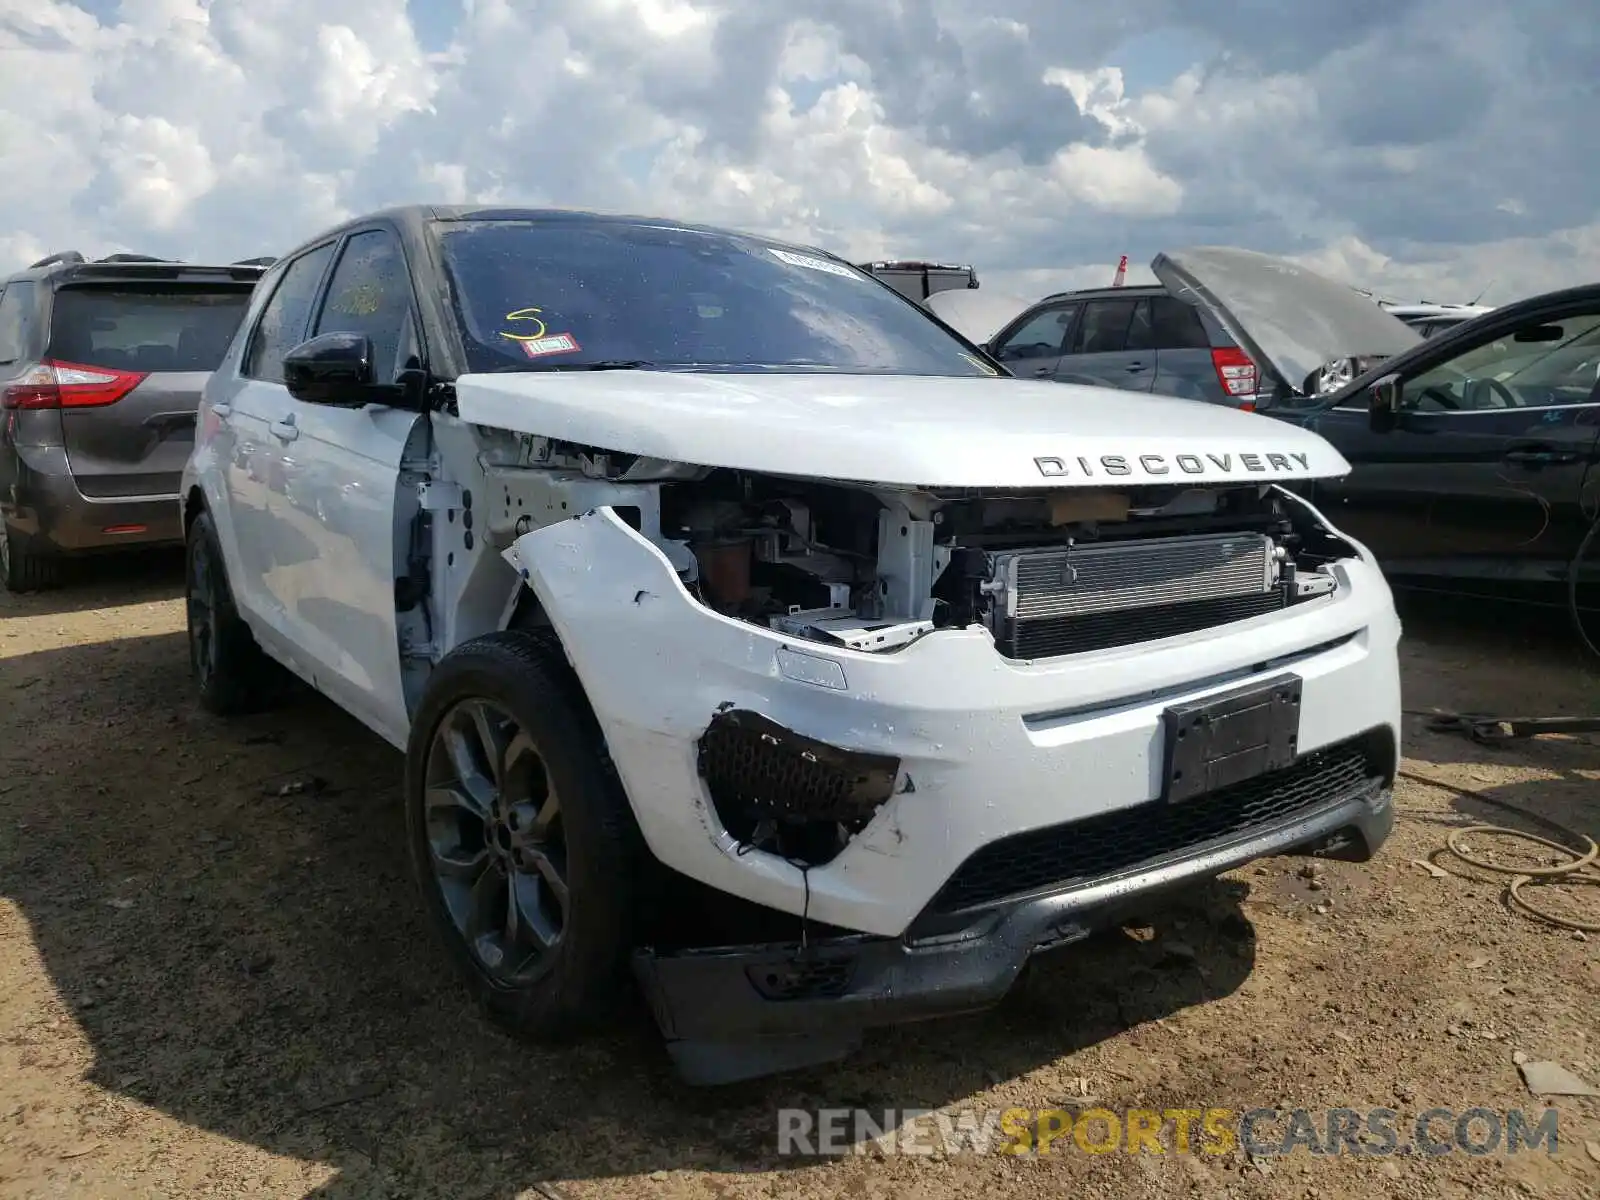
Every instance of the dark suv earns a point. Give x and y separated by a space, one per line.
1138 339
101 366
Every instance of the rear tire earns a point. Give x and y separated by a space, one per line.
522 841
23 569
231 673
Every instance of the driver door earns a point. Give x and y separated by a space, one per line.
1483 476
338 492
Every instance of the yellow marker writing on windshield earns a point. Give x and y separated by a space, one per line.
525 314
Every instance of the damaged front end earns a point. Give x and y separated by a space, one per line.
847 570
824 700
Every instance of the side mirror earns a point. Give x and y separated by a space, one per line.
333 368
1383 404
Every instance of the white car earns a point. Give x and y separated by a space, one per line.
742 624
1429 319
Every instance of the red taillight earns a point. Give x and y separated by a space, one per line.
54 384
1236 373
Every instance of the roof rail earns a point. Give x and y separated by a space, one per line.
116 258
266 260
61 256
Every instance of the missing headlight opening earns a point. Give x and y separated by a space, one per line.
778 790
1047 573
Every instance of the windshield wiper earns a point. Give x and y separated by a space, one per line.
604 364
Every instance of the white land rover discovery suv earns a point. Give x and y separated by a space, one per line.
748 630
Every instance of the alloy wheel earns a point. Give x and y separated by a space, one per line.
494 834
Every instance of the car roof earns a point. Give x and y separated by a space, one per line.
70 265
1127 289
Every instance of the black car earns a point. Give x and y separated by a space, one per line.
1475 453
101 365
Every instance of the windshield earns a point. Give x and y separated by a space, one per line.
1554 363
563 294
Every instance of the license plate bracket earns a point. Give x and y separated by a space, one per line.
1230 738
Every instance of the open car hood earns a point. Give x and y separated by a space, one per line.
974 313
912 431
1285 316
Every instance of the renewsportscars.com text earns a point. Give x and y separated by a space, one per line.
1259 1132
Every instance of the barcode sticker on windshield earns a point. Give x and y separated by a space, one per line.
813 264
556 343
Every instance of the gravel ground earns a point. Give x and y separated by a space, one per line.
214 980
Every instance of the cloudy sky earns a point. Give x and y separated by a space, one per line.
1422 148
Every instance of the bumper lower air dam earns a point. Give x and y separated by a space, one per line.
741 1012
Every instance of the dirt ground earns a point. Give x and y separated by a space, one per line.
214 980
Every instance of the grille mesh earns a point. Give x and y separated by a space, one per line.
1104 630
1060 856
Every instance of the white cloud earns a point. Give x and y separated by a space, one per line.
159 171
1418 147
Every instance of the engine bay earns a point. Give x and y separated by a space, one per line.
1047 572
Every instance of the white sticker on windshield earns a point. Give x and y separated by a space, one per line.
814 264
555 343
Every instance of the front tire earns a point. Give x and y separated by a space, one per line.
231 674
522 841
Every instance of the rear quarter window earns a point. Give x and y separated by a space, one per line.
16 311
146 329
1177 325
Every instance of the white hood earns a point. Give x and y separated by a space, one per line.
901 430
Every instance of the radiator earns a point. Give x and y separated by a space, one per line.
1059 601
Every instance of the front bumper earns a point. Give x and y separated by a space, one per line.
731 1013
988 749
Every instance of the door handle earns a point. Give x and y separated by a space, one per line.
1133 367
1042 371
222 410
285 430
1530 456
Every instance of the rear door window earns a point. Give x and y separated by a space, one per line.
1141 334
16 307
1104 328
145 329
